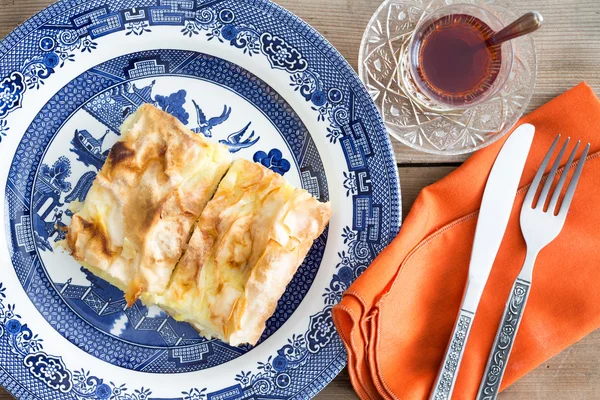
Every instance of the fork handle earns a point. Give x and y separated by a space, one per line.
444 384
505 339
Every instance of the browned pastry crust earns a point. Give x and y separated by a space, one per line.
247 245
139 213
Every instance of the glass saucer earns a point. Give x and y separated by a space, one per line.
432 129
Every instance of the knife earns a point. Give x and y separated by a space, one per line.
494 213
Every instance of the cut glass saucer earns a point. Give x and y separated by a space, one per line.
432 129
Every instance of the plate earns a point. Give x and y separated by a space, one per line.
245 73
410 117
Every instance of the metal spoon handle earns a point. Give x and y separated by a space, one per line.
526 24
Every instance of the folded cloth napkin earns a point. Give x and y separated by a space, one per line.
396 319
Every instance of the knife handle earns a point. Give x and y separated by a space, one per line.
505 338
444 383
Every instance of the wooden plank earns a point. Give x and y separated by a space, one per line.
568 46
15 12
573 374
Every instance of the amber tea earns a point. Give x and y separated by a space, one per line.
453 61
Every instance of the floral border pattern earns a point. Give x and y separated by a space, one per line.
343 128
28 346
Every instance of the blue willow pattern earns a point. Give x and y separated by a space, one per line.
334 102
26 346
99 303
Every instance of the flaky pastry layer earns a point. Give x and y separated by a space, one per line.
246 247
139 212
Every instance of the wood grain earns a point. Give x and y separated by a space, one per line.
568 46
569 52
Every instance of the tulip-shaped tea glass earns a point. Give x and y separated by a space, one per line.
439 86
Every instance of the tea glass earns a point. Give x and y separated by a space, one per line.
415 119
420 91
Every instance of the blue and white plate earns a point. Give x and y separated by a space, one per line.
245 73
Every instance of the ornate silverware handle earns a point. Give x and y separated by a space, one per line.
444 384
505 339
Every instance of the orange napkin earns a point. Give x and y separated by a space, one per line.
396 319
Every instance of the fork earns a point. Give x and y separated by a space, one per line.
540 226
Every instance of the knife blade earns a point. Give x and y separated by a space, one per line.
494 213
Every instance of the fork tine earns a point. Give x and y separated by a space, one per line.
538 176
551 175
563 178
573 184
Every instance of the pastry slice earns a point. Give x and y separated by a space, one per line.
248 243
140 210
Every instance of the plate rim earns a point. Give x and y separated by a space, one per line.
320 43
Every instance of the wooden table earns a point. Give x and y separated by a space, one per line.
569 52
